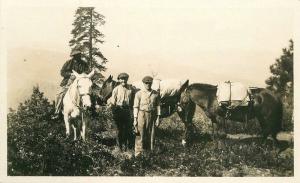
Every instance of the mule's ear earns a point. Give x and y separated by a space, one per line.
91 73
75 73
110 77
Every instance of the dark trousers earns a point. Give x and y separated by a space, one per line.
123 122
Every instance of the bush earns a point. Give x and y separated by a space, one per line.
27 128
37 145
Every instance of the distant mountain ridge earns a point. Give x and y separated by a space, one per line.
30 67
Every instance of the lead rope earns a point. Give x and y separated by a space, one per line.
81 116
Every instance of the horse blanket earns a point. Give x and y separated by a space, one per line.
235 93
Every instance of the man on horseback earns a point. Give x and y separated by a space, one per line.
121 102
77 64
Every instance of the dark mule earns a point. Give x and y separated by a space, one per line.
266 107
105 91
169 105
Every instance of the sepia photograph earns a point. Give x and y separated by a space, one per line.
149 88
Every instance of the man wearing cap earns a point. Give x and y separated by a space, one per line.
146 112
76 64
121 102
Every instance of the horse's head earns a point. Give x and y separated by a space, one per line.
84 83
107 88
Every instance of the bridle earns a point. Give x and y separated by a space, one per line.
80 95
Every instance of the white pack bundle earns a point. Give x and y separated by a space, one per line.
170 87
166 88
233 91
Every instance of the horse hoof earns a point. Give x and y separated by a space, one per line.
183 142
179 109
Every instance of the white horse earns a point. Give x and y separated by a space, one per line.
77 99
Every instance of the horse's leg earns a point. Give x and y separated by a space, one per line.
189 118
116 125
75 131
182 117
264 131
186 116
246 123
224 124
152 136
213 131
274 136
83 129
83 126
213 119
67 124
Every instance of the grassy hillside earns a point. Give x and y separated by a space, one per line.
37 146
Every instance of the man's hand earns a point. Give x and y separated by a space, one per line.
135 122
157 122
72 76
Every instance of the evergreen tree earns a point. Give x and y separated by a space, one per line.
87 37
27 127
282 83
282 79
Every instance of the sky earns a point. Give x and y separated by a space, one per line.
204 41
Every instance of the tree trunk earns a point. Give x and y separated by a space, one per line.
91 41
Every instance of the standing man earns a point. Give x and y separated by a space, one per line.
76 64
121 102
146 112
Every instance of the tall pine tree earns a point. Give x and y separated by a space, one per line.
282 79
87 37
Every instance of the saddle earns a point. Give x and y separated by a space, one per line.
231 95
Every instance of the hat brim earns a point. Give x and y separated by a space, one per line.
75 53
124 77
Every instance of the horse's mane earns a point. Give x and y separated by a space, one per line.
202 86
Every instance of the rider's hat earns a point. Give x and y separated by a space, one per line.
123 76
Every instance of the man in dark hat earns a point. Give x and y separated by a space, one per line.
121 102
146 112
76 64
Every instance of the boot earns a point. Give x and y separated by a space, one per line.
58 105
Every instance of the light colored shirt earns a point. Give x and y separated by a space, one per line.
121 96
147 101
